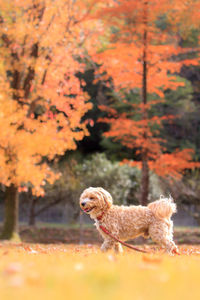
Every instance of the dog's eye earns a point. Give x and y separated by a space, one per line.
91 198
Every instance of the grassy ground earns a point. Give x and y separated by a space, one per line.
47 233
35 271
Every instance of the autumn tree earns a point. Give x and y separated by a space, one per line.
41 100
143 55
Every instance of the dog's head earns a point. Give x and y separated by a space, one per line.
94 201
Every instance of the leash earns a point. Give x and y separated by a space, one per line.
121 242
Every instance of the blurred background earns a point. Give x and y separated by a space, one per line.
97 93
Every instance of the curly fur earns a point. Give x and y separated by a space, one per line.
128 222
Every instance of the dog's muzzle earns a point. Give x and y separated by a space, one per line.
85 209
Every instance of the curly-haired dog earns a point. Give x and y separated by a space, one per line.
127 222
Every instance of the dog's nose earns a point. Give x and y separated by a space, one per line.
83 203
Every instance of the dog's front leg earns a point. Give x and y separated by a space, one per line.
118 248
107 245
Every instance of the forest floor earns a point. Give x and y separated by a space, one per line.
89 235
60 272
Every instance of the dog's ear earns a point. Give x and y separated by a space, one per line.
106 197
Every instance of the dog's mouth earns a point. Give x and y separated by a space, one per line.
87 210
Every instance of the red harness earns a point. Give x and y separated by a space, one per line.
116 239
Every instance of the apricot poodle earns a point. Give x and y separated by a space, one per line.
128 222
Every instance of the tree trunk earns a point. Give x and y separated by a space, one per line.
145 168
10 226
144 181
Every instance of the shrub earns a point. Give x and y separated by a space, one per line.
120 180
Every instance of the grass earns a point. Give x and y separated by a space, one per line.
63 225
91 225
57 225
81 272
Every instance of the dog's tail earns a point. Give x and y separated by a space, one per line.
163 208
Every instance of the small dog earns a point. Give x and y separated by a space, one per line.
127 222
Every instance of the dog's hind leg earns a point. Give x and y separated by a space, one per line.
107 245
162 234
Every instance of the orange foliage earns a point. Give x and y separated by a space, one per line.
170 164
123 57
141 55
41 100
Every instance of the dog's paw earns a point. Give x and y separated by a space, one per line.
118 248
175 250
104 249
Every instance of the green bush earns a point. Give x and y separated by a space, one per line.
97 171
120 180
